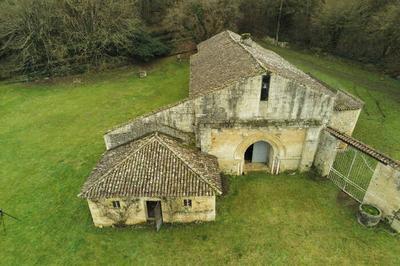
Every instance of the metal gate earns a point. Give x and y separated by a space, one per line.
352 171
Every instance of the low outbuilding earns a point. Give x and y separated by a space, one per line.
155 178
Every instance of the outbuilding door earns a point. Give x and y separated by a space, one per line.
154 212
158 215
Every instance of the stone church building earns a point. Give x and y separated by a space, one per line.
248 109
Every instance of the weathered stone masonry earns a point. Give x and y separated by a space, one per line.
133 210
241 97
240 102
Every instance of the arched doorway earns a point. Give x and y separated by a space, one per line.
257 156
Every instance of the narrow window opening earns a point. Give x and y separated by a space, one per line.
265 87
116 204
187 202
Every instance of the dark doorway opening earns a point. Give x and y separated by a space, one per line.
257 152
152 209
257 157
248 155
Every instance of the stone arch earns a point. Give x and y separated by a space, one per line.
259 152
278 149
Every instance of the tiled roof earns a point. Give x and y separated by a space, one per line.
154 166
218 63
225 57
345 101
364 148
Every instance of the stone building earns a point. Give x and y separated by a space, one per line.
247 107
155 177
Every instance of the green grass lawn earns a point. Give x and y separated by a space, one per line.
51 137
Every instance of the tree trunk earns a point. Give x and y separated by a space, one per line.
279 23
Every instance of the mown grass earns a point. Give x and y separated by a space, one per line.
51 137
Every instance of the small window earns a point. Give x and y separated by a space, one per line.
265 88
116 204
187 202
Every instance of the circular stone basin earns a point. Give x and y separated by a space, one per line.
369 215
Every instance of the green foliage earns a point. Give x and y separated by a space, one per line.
201 19
365 30
145 47
152 12
261 16
52 37
370 209
58 37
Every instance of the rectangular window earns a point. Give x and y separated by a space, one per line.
116 204
187 202
265 87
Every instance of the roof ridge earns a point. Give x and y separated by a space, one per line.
244 48
355 98
151 112
162 142
101 178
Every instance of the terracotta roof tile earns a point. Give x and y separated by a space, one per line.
154 166
218 63
345 101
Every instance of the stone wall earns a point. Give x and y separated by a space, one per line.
384 190
203 209
326 153
288 100
134 210
176 121
311 143
240 100
291 100
230 144
345 121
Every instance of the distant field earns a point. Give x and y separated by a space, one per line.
51 137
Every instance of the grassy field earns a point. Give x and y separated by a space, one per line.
51 137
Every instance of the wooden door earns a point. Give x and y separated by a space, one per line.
158 215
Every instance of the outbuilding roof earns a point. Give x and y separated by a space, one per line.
154 166
225 57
